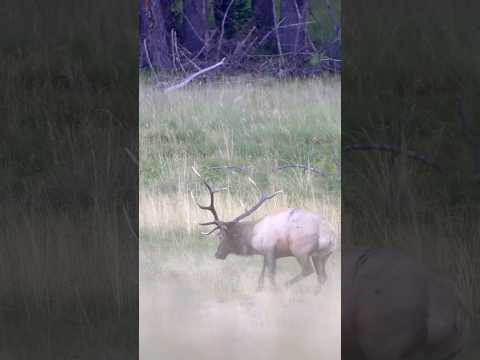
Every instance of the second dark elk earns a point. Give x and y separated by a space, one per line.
394 308
295 232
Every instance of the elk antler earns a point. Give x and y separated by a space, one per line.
211 206
263 197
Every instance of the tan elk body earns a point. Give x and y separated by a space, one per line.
295 232
292 232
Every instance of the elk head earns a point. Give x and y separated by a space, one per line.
234 236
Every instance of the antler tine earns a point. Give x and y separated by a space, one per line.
208 223
211 231
210 207
259 203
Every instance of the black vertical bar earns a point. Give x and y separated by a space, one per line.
69 180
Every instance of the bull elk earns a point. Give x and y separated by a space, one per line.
288 232
394 308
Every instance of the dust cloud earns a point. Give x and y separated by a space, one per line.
193 310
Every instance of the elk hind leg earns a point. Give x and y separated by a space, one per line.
262 275
319 261
306 266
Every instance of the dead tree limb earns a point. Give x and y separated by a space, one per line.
267 35
301 166
150 61
395 150
222 29
205 45
277 36
185 54
241 43
193 76
234 168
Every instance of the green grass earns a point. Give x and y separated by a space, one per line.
241 123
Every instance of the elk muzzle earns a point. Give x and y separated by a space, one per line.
222 252
220 255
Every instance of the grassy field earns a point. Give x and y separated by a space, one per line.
201 306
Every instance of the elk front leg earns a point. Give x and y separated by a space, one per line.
271 265
262 274
319 262
306 270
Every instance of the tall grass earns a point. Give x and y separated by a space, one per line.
68 263
184 292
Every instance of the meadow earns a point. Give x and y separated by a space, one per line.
192 303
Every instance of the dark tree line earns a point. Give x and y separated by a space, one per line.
253 35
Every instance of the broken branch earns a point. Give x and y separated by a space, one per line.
193 76
392 149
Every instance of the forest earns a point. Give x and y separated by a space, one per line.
279 38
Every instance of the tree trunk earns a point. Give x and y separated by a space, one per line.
156 35
293 30
263 14
168 16
194 24
219 10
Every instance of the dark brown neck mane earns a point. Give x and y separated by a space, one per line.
241 234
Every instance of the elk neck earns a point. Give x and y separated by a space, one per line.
241 234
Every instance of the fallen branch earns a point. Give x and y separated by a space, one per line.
395 150
301 166
193 76
233 168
